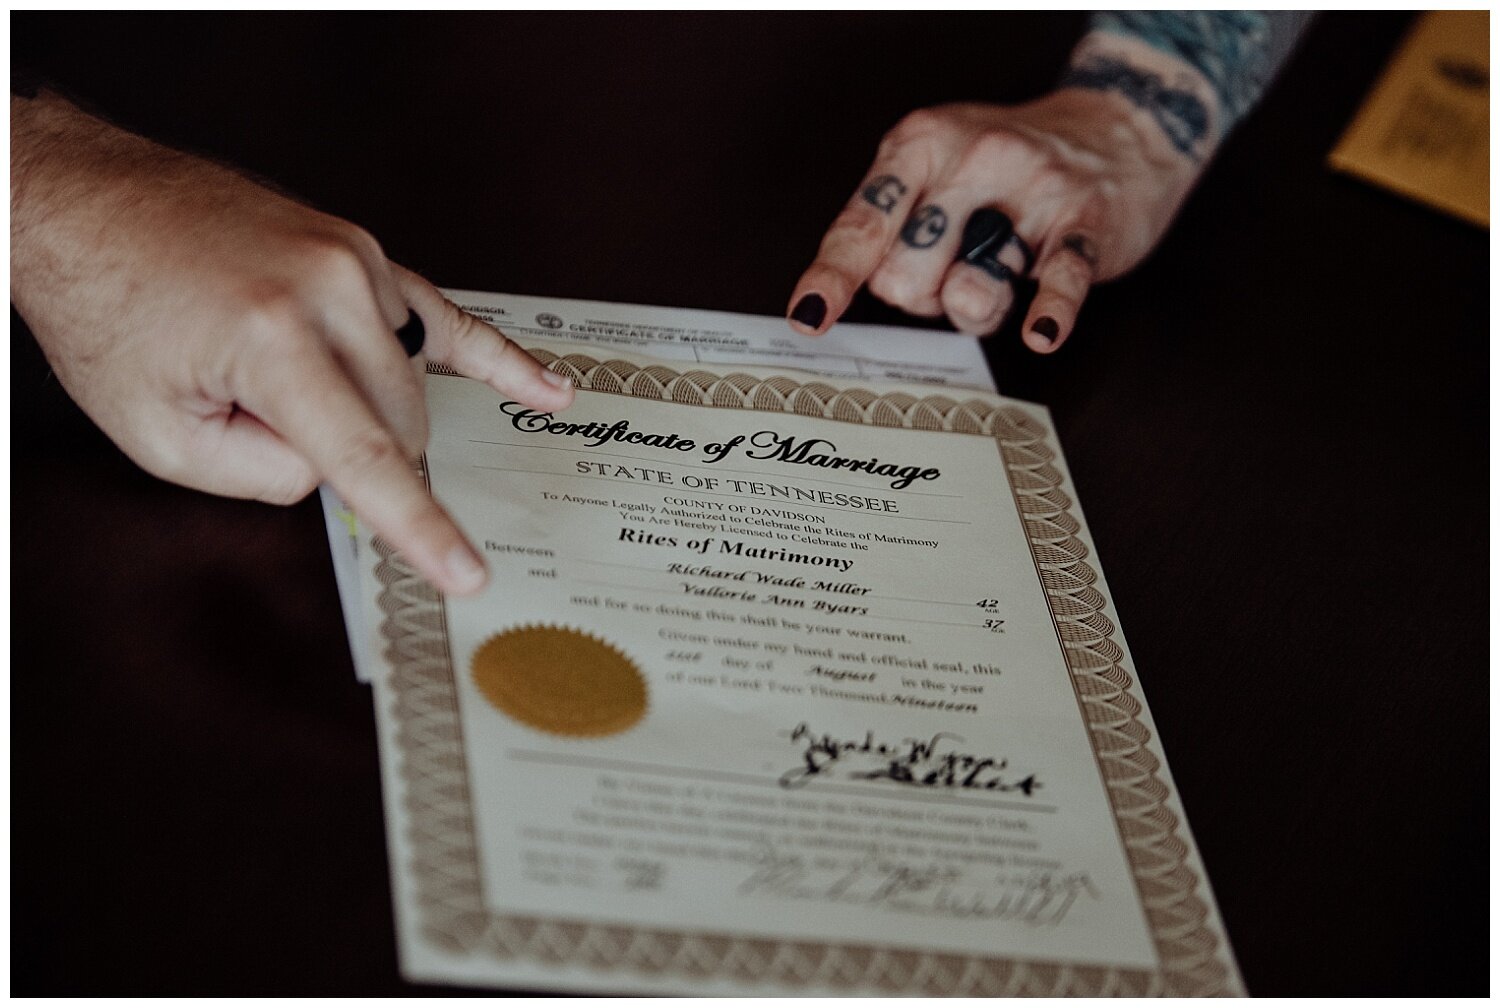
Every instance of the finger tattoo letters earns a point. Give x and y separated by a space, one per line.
884 192
923 228
1083 248
987 232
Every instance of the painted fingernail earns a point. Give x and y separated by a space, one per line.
557 381
810 310
413 334
1047 327
465 569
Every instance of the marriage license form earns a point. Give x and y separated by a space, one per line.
785 682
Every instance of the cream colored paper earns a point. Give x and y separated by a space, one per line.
890 742
681 335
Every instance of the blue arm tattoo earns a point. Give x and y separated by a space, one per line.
1237 52
1181 116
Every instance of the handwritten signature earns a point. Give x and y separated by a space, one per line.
1037 899
933 762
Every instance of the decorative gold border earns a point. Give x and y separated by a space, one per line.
444 857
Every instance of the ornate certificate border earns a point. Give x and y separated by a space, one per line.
444 855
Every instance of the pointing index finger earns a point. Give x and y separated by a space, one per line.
312 404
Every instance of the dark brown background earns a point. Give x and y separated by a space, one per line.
1277 427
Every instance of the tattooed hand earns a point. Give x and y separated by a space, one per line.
1071 189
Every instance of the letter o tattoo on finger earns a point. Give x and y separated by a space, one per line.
923 228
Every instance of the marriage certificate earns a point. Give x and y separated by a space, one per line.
783 684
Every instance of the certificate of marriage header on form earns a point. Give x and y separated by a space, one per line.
881 353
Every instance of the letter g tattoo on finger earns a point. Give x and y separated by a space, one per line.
884 192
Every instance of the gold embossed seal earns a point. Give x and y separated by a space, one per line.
560 680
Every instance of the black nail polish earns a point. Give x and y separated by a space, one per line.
1047 326
412 335
810 310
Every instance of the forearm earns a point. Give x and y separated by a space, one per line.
62 161
1193 73
84 194
40 128
48 138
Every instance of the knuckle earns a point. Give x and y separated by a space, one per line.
272 314
288 487
477 343
966 298
1051 181
178 451
466 329
1072 266
894 286
362 242
271 349
857 225
883 286
167 459
1092 203
995 148
372 449
916 125
1103 194
332 261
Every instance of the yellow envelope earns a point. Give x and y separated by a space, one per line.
1425 129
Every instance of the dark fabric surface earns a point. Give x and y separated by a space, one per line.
1277 427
